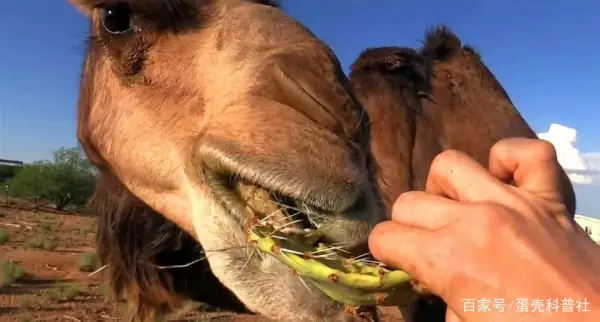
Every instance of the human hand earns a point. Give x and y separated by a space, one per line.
472 235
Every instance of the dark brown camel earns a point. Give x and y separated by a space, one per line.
421 103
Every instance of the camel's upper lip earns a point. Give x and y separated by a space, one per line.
332 187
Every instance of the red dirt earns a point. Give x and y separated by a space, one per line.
33 297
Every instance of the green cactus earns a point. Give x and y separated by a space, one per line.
346 280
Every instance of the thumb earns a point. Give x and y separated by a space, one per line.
407 248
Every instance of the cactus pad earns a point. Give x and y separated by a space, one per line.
356 282
346 280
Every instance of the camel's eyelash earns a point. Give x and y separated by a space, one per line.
161 15
169 15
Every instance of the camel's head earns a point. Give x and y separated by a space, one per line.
214 113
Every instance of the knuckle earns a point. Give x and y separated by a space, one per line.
540 147
408 197
398 204
545 150
445 159
500 148
403 202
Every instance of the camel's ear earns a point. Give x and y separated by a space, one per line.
441 43
85 6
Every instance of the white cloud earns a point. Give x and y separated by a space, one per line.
582 168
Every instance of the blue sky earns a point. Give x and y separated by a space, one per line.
543 52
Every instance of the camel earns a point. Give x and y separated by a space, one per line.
441 97
424 102
183 101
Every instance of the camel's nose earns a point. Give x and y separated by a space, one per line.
314 85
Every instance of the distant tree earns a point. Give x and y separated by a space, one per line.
32 182
66 180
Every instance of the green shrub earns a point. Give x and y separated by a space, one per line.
8 171
88 262
35 242
63 292
10 273
67 180
49 244
44 242
4 236
46 227
53 295
71 291
84 231
103 290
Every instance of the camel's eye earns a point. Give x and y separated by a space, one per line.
116 18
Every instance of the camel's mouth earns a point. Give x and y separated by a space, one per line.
252 204
296 234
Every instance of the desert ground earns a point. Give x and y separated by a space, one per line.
46 259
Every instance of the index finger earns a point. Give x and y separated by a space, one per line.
532 164
457 176
405 247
